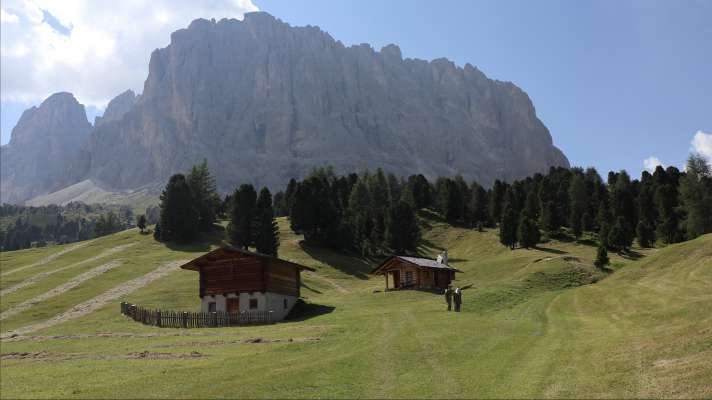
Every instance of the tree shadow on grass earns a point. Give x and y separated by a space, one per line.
203 243
350 264
311 289
548 250
303 311
630 255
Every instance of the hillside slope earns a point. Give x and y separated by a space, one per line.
531 327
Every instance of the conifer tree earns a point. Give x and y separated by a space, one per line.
178 216
645 234
359 215
206 200
241 228
508 227
267 240
696 196
601 257
619 236
402 231
527 231
480 216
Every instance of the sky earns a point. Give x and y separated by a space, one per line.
620 84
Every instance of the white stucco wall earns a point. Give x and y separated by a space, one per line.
265 302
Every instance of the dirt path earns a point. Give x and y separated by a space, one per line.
143 355
36 278
49 258
132 335
327 280
101 300
69 285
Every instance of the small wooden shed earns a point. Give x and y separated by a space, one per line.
405 272
234 280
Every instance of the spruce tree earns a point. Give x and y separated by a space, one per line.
508 228
402 231
601 257
267 239
527 231
696 197
206 200
645 234
619 236
179 219
241 228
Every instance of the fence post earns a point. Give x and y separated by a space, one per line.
184 322
158 318
270 316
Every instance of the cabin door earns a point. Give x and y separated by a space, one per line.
233 305
396 279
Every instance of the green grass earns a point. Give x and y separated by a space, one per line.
537 323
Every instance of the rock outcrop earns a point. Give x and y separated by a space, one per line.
43 143
263 102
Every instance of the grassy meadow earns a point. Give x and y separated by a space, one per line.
536 323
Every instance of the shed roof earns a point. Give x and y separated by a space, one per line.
221 252
420 262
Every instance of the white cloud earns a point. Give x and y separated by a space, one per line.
106 49
702 144
8 17
651 163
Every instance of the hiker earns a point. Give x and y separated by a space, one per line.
458 299
448 297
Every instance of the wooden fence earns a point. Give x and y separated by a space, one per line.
182 319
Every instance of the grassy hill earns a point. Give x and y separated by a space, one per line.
537 323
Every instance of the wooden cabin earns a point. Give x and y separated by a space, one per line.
403 272
235 280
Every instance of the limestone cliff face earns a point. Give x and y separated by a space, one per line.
42 144
264 102
117 107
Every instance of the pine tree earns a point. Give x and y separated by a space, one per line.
579 202
619 236
359 215
548 218
496 200
179 218
206 200
601 257
241 228
666 200
527 231
696 196
508 228
402 231
267 239
480 215
645 234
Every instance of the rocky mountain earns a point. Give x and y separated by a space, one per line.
43 143
117 107
263 101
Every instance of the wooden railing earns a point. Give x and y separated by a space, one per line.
184 319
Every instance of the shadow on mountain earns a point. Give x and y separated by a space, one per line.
548 250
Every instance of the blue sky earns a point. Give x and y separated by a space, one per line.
616 82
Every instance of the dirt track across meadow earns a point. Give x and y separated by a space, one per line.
69 285
36 278
99 301
49 258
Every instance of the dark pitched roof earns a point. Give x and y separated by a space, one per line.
420 262
192 265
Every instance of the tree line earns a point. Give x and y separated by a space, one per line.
374 213
23 227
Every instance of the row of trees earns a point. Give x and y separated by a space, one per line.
24 227
667 206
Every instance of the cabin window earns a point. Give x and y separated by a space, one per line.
212 307
285 304
408 277
253 304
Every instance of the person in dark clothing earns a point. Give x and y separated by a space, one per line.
457 297
448 297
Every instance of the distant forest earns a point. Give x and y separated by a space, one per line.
374 213
24 227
